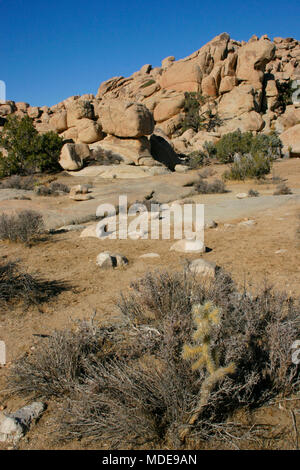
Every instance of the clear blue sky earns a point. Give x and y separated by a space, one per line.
50 50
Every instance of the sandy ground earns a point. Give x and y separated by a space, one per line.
268 250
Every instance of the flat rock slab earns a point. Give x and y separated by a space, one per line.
150 255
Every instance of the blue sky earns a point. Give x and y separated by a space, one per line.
50 50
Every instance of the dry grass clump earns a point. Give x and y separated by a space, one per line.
129 384
282 189
19 286
23 227
216 187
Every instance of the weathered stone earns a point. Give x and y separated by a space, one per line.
291 140
202 267
107 260
252 59
168 108
125 119
129 151
73 155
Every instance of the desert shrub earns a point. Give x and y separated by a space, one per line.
130 383
282 189
23 227
106 157
197 159
53 189
245 142
249 166
19 286
284 97
253 193
203 187
27 150
18 182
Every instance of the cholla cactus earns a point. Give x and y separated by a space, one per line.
205 316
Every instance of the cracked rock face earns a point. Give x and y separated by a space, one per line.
14 426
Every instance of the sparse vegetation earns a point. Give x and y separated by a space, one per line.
249 166
19 286
246 143
282 189
197 159
18 182
27 151
148 83
54 189
253 193
128 384
23 227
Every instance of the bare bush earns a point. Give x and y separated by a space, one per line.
16 286
23 227
281 190
129 385
203 187
18 182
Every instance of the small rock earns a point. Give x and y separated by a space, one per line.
188 246
89 231
203 267
241 195
278 252
228 225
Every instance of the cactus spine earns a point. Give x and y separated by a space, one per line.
205 316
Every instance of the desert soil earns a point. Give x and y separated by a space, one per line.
268 251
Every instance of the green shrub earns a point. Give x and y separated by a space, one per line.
192 120
246 142
27 151
249 166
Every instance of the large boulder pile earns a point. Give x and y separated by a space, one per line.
138 119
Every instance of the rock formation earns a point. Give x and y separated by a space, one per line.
139 119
